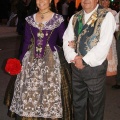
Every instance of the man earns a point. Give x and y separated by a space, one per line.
117 18
92 30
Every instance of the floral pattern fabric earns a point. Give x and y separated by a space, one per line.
38 87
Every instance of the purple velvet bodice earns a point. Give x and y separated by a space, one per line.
53 32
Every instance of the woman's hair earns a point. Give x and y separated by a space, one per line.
100 2
52 6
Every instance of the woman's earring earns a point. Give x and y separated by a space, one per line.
37 8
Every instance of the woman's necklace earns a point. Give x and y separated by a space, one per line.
42 14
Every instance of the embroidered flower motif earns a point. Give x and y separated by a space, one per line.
92 19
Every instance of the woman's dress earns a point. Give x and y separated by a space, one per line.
112 55
43 88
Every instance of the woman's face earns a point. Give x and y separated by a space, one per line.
105 3
43 4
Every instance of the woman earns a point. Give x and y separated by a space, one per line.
42 89
117 36
112 55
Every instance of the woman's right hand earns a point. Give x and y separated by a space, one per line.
72 44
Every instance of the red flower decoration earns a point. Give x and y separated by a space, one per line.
13 66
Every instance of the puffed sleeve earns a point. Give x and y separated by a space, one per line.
26 40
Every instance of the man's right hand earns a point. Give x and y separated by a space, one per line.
78 62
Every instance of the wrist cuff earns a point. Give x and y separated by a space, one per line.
84 63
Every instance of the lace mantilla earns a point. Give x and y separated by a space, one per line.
53 23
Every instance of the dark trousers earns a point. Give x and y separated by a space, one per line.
118 56
89 92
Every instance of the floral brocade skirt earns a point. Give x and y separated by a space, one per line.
42 91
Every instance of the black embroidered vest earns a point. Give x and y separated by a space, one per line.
87 35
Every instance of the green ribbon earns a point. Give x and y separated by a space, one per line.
80 24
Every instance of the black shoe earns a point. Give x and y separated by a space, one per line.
116 86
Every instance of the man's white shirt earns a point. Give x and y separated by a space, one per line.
98 53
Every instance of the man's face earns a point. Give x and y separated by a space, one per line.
89 5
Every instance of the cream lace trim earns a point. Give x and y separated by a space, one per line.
53 23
